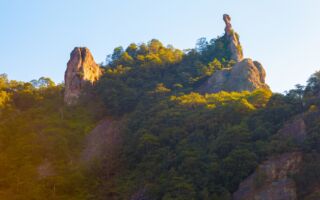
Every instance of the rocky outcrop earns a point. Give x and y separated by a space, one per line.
245 75
233 39
81 71
272 179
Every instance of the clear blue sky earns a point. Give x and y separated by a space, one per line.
36 36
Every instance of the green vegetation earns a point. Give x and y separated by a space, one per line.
178 144
200 146
184 145
137 71
40 140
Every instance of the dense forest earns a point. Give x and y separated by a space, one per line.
177 143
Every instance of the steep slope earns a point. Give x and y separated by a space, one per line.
279 177
103 142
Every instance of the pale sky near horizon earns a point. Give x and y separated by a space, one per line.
37 36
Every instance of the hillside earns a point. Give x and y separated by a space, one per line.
156 122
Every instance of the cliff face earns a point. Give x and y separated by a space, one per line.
245 75
81 70
272 179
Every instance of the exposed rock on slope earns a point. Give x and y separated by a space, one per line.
272 179
81 70
234 43
245 75
103 142
102 150
45 169
295 129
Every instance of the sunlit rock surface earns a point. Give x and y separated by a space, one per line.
245 75
272 179
81 70
234 43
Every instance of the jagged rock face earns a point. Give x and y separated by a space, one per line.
234 43
81 70
245 75
272 179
